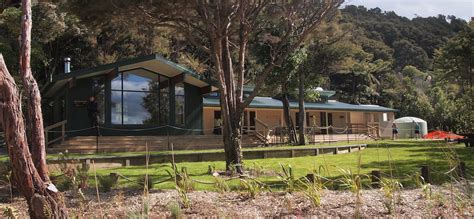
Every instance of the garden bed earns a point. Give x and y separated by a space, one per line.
125 203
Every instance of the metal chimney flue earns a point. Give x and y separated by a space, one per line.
67 65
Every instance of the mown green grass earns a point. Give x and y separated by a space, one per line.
397 159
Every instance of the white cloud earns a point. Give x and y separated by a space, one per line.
424 8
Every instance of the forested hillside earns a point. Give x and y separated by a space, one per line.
422 66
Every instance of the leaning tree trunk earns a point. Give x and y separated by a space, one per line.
302 113
286 114
35 117
44 201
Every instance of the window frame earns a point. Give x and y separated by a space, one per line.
184 104
111 90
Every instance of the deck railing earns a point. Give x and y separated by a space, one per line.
62 133
315 134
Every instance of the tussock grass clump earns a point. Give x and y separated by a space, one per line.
389 188
106 183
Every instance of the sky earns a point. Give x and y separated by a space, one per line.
422 8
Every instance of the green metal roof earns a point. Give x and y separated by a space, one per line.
271 103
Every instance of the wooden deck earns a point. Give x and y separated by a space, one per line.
104 144
92 144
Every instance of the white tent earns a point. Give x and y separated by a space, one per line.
406 126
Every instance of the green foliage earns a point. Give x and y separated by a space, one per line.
353 182
10 212
144 211
312 188
106 183
221 184
288 178
421 183
183 196
390 187
253 187
82 177
146 181
175 210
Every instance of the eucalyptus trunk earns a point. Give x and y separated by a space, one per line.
43 199
35 131
301 112
287 115
30 169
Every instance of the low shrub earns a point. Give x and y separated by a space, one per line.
106 183
145 180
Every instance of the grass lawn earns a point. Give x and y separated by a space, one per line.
401 159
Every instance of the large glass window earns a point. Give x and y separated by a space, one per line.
136 98
179 104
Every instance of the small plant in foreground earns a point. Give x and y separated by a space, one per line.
220 184
10 212
82 176
211 169
106 183
288 177
175 210
145 180
256 169
312 189
353 183
183 196
143 212
253 187
425 187
389 188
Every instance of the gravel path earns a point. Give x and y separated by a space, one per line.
334 204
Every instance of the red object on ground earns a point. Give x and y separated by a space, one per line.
442 135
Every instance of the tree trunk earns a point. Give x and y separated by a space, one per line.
302 113
44 201
35 117
287 115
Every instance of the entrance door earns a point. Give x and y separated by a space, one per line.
252 116
249 121
326 120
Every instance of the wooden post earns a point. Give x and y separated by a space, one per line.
335 150
375 177
126 163
425 173
86 164
114 176
316 151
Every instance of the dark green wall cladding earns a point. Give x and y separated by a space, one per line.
78 119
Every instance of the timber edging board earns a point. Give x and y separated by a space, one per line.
132 160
